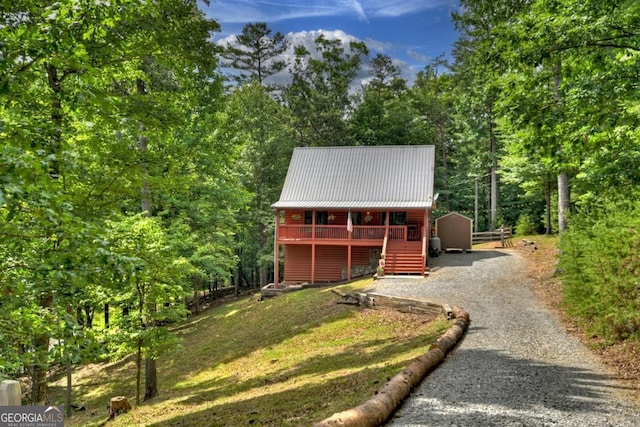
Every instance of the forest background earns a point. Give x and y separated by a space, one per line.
133 172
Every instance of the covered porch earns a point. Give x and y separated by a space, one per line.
402 247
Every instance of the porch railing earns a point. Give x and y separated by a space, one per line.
339 232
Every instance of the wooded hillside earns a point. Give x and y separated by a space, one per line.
134 174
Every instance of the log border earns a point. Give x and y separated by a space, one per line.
376 410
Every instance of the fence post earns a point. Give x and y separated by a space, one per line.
10 393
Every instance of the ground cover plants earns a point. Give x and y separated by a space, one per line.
621 356
289 360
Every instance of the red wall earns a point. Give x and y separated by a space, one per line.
331 262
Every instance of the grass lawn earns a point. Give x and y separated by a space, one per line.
290 360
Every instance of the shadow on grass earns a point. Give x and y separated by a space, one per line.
354 357
297 405
224 335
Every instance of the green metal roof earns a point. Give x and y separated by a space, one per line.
378 177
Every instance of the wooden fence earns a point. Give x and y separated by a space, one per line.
502 235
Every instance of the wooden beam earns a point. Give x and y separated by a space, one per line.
349 261
313 246
276 252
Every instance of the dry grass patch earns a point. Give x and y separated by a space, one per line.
289 360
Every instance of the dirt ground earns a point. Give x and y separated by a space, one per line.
624 359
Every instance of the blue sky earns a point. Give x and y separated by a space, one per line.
412 32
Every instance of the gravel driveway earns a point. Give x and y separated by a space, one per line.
515 366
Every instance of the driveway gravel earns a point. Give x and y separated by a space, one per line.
516 366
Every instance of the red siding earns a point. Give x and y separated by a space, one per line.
297 263
331 254
330 262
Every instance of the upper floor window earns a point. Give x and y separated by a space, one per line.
322 217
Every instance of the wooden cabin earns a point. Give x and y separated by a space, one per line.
351 211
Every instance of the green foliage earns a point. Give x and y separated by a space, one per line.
148 284
319 96
601 261
526 225
81 83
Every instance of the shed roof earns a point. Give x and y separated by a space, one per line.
383 177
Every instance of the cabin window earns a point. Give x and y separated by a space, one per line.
356 218
322 217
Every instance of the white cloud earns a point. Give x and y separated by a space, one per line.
417 56
394 8
307 39
242 11
377 45
357 8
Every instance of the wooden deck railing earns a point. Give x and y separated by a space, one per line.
339 232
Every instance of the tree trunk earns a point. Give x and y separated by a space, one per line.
68 393
376 410
150 379
547 199
40 366
138 371
89 312
55 84
196 294
563 177
445 172
263 276
563 201
494 171
106 315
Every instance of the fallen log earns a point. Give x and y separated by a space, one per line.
376 411
408 305
354 299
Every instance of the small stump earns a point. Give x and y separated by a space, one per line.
118 405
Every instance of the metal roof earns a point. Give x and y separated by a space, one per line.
382 177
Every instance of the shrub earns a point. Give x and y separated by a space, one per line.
526 225
601 260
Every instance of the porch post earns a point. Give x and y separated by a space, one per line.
425 236
386 231
349 261
313 247
276 251
349 236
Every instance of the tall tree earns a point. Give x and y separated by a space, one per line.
432 95
569 84
67 161
175 51
319 96
256 52
263 133
383 113
50 51
478 66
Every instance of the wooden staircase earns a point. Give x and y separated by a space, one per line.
404 257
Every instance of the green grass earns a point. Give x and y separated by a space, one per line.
290 360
